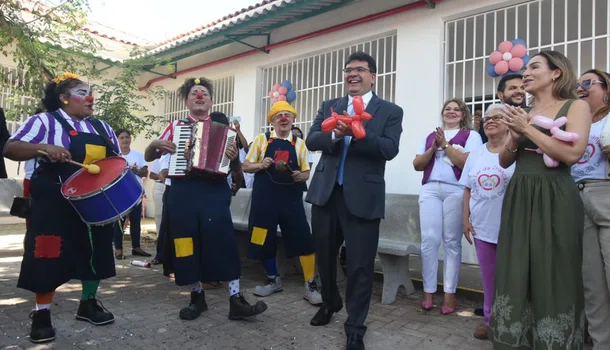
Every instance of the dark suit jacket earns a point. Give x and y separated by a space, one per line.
4 136
363 175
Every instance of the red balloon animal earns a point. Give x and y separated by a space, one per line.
355 120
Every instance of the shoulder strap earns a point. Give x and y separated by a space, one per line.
99 127
61 121
267 135
563 111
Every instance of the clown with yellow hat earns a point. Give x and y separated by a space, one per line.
279 162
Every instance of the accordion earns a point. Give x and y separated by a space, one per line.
200 149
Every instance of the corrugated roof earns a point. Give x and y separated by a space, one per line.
255 19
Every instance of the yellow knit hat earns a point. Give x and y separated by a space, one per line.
280 106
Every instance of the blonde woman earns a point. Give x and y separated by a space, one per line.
591 175
440 200
538 301
485 183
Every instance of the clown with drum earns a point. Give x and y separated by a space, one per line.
59 246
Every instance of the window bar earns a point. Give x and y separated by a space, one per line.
485 60
393 68
608 38
593 35
539 25
565 27
454 58
474 55
578 46
464 63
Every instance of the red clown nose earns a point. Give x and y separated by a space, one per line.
199 95
89 99
284 119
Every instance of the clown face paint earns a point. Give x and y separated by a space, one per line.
282 123
199 101
80 101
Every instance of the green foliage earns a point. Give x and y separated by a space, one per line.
48 41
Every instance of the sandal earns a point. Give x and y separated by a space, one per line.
156 262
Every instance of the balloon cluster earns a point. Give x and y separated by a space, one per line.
510 57
282 92
554 126
355 120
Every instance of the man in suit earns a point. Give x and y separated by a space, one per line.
347 193
4 136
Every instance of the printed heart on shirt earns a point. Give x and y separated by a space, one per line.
589 152
489 182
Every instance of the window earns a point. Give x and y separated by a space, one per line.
12 95
584 38
223 100
319 77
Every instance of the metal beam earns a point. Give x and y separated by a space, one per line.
431 3
236 38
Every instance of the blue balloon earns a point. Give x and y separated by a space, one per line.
291 96
491 71
525 59
287 84
519 42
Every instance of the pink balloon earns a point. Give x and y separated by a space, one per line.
281 98
505 46
515 64
273 99
282 90
501 68
276 87
495 57
518 50
271 93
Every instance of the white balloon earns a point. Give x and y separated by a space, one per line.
507 56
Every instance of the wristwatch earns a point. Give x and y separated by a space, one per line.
445 146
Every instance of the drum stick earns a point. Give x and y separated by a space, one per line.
91 168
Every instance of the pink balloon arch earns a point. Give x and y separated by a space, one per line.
511 57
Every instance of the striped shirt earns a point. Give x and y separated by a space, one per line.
45 129
259 147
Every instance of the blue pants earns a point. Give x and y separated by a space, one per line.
135 228
201 230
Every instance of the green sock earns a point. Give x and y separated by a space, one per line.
89 289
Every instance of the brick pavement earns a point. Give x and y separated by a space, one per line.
146 304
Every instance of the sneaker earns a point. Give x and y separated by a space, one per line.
273 285
94 312
240 308
42 330
311 293
195 308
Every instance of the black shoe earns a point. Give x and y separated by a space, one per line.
239 307
140 252
479 312
195 308
94 312
42 330
354 342
323 316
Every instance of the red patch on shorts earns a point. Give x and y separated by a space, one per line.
47 247
281 155
73 132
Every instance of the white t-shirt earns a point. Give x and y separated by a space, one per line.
592 165
156 167
442 171
248 178
135 158
487 181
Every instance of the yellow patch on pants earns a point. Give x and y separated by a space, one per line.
93 153
259 235
184 247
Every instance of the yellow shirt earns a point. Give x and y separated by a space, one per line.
259 147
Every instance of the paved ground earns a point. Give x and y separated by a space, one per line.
146 304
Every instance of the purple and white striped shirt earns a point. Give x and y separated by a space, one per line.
44 129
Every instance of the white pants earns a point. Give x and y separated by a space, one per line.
440 215
158 190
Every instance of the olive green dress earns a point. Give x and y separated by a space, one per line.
538 301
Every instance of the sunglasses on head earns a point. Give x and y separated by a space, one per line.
586 84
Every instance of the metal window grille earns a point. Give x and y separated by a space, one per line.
320 77
223 100
580 29
13 85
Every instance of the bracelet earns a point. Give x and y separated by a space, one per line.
445 146
509 150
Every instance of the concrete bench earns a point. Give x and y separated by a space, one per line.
9 189
399 237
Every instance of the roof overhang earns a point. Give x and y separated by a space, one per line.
257 22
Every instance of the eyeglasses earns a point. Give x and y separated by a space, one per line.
357 69
495 118
283 114
586 84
